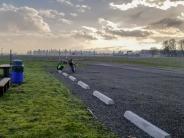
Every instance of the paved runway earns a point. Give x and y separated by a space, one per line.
157 95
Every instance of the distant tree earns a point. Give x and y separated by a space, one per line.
172 47
153 51
169 47
166 47
181 46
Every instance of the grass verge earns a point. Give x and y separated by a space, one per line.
43 108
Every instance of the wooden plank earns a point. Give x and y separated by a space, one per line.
4 81
5 66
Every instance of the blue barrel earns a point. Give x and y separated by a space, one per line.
17 75
17 62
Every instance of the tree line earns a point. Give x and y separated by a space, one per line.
170 48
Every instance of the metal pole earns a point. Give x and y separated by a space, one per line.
10 57
59 55
1 51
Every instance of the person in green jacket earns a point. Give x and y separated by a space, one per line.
60 66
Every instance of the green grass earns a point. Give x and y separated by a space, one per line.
163 62
43 108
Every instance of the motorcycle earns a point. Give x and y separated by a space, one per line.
70 63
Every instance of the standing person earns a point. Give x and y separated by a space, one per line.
72 65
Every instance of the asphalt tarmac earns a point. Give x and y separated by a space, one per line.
155 94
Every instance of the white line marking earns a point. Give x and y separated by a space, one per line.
146 126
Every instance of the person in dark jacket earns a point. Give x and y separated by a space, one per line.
72 65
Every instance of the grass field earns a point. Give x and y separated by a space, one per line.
43 108
164 62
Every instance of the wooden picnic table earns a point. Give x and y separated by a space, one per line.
6 69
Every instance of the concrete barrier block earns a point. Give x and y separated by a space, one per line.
72 78
65 74
146 126
59 71
83 85
103 98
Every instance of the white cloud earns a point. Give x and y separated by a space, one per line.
67 2
181 16
74 14
65 21
16 19
117 30
168 23
51 13
80 34
163 5
82 8
108 30
86 33
54 16
77 6
91 29
108 24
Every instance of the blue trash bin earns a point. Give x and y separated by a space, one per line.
17 74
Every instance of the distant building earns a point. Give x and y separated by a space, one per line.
145 53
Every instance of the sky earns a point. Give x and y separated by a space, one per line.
103 25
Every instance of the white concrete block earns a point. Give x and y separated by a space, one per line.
72 78
103 98
59 71
83 85
65 74
146 126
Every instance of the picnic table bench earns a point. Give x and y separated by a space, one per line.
4 85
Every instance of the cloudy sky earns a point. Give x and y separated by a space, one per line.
104 25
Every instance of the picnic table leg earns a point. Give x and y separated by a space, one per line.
7 86
6 72
1 91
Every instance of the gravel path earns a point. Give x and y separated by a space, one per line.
154 94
